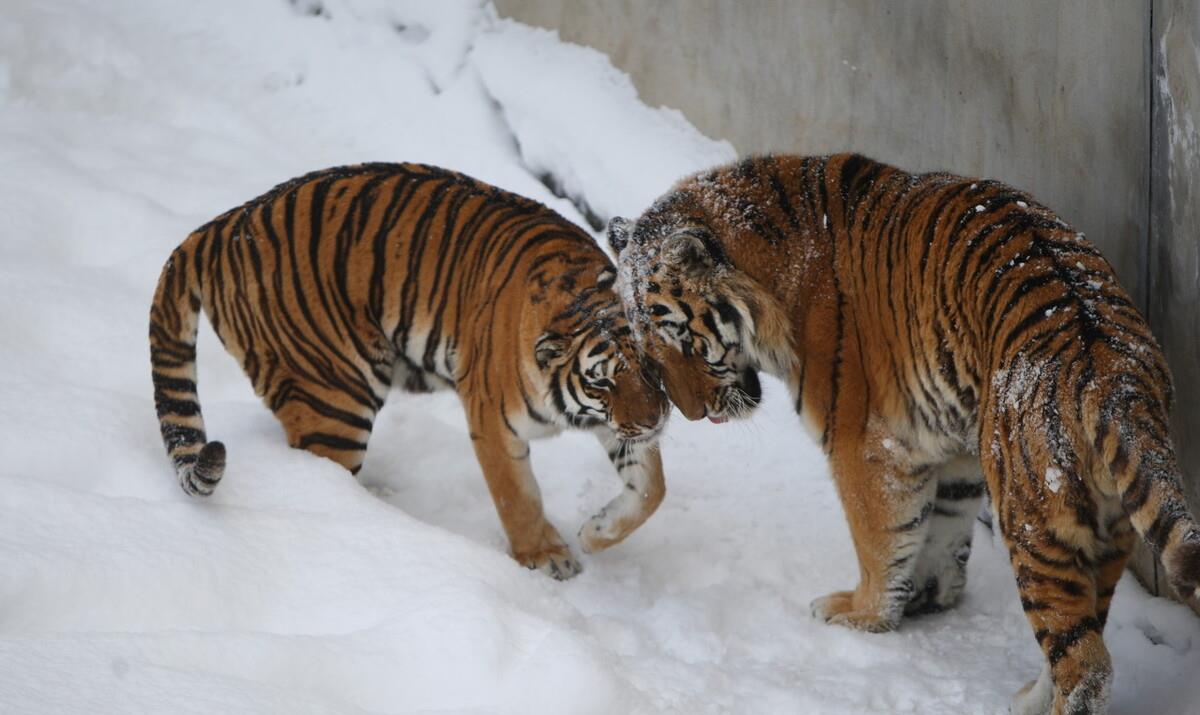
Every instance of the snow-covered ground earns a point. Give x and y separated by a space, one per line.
125 124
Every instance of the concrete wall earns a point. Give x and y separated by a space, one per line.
1174 250
1070 100
1051 97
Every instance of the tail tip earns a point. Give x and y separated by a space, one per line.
1184 564
211 460
201 477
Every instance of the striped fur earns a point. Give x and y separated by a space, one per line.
333 286
936 332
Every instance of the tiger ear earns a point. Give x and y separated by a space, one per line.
690 251
618 234
549 348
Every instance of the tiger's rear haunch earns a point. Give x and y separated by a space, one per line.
330 287
930 326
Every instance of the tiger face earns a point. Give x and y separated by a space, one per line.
696 316
597 376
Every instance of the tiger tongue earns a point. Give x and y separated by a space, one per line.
718 420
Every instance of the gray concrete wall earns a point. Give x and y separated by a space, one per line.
1074 101
1051 97
1174 250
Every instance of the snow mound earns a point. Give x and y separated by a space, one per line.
579 123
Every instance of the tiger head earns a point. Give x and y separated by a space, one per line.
595 371
710 326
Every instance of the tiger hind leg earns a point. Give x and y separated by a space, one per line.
1061 593
1038 697
888 510
326 423
1111 564
941 572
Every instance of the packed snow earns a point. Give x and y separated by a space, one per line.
125 124
599 144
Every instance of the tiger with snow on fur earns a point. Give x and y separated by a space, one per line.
937 333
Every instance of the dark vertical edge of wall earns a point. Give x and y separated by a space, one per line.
1171 291
1145 255
1152 179
1143 562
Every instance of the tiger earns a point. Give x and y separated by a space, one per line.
334 286
942 338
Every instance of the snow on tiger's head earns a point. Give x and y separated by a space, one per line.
709 325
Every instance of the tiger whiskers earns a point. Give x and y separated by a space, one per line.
737 403
623 449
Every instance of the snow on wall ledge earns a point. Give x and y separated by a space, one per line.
578 121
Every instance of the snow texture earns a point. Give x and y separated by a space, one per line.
1054 477
125 124
595 140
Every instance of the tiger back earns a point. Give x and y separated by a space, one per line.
334 286
938 333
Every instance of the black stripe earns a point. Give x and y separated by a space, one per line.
330 440
177 436
1031 605
183 408
1060 643
1026 575
174 384
919 519
1159 533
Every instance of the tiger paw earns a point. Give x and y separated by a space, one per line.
555 560
826 607
599 533
838 609
934 597
1036 698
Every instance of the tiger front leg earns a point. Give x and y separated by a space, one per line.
888 510
639 464
941 571
534 541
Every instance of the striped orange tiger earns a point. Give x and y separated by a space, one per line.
330 288
937 333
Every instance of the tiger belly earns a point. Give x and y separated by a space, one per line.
421 366
409 377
